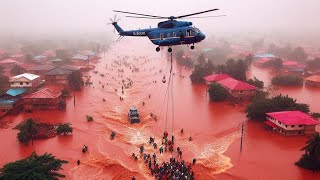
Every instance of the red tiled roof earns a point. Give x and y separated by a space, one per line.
314 78
271 124
234 84
293 118
216 77
44 93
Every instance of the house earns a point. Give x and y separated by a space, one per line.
313 81
262 61
58 77
11 100
41 70
43 99
293 66
291 122
8 65
80 60
238 89
40 58
215 77
25 80
18 57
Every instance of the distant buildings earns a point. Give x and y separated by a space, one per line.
58 77
8 65
215 77
80 60
291 122
313 81
10 101
26 80
41 70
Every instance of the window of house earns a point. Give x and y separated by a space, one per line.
27 83
241 92
12 83
300 125
21 83
299 132
279 122
292 126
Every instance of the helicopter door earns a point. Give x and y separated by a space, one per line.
161 36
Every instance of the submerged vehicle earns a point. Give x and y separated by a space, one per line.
133 115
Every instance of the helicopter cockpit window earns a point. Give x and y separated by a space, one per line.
189 32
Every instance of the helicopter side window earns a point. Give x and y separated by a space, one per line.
174 34
189 32
168 35
161 36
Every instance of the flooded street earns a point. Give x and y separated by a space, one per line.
214 127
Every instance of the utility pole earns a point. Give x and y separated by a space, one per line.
242 129
74 98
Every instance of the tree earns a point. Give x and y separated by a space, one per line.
27 130
64 128
299 54
262 105
256 82
33 167
313 64
311 158
75 80
287 80
201 70
201 59
17 70
217 92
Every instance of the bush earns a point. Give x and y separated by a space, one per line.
315 115
89 118
287 80
256 82
217 92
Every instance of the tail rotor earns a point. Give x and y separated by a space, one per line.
114 21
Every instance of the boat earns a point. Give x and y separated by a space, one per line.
133 115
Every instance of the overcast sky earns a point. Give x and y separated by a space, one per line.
92 15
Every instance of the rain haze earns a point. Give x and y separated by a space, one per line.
91 16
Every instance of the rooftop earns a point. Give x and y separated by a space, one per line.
27 76
216 77
68 67
8 61
293 118
59 71
234 84
314 78
44 93
16 92
42 68
264 56
80 57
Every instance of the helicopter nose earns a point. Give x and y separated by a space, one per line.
201 36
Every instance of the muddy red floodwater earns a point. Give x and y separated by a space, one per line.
214 127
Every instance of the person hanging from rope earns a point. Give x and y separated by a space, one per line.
172 139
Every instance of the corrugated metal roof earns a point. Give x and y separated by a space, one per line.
80 57
264 56
27 76
42 68
16 92
68 67
234 84
293 118
59 71
216 77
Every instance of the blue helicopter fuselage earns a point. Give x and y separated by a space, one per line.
168 33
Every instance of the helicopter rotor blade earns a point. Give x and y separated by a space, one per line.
118 19
147 15
203 17
187 15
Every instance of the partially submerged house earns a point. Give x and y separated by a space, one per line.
238 89
291 122
293 66
26 80
44 99
11 100
58 77
80 60
313 81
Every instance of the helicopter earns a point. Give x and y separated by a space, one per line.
168 33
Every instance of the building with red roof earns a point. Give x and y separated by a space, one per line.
215 77
43 99
293 66
238 89
313 81
291 122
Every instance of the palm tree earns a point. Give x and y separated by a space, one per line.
313 146
45 166
27 130
64 128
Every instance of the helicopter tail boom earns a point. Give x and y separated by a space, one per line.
117 27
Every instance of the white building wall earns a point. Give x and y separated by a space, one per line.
288 127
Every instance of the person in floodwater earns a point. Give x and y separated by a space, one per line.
181 131
190 138
194 161
78 162
84 148
141 149
133 178
143 103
